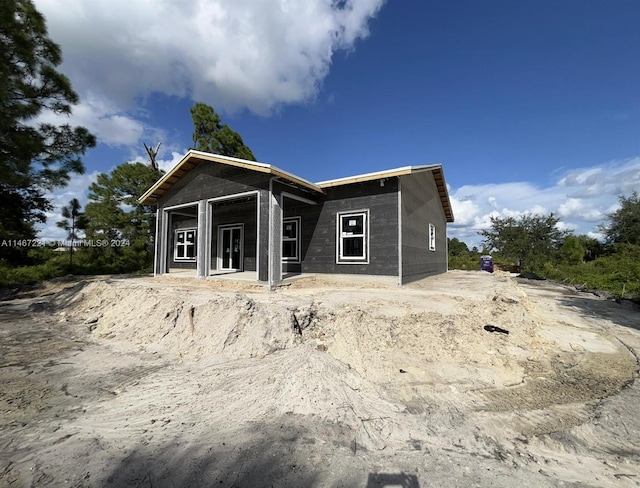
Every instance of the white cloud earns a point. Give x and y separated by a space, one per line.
615 177
465 210
582 198
579 208
110 124
233 54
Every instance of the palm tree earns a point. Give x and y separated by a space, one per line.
74 220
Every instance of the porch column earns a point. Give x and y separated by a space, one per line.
202 259
162 236
156 244
275 237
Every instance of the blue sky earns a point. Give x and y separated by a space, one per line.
530 106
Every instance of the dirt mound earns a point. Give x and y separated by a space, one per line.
376 337
191 326
153 377
423 345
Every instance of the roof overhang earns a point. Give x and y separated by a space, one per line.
435 169
194 158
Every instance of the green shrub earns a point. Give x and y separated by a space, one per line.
11 276
617 273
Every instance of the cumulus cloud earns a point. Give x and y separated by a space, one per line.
465 210
103 118
233 54
616 177
578 208
582 198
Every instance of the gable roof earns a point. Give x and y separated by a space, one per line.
193 158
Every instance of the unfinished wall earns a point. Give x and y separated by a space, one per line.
421 206
319 233
210 180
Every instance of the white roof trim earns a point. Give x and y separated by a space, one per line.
270 168
388 173
151 193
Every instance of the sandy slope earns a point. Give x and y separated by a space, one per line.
325 382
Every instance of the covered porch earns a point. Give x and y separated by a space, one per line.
240 237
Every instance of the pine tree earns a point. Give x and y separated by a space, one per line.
74 220
210 135
116 216
34 158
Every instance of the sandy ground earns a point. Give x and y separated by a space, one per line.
168 382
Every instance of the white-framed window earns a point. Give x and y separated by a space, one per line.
291 240
353 237
432 237
185 245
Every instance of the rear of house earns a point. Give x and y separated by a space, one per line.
217 214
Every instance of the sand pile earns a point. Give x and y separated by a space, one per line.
189 325
432 347
299 382
436 339
348 357
425 347
411 349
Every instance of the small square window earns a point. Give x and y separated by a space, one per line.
185 245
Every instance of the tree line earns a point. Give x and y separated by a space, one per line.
535 246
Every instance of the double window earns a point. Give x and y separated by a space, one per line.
353 237
185 248
291 240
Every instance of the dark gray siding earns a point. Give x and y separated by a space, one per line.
279 187
318 226
290 206
236 213
421 206
210 180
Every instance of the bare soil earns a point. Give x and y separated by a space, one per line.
327 382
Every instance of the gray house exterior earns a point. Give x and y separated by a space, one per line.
217 214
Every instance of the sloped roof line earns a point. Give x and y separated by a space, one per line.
405 170
194 156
